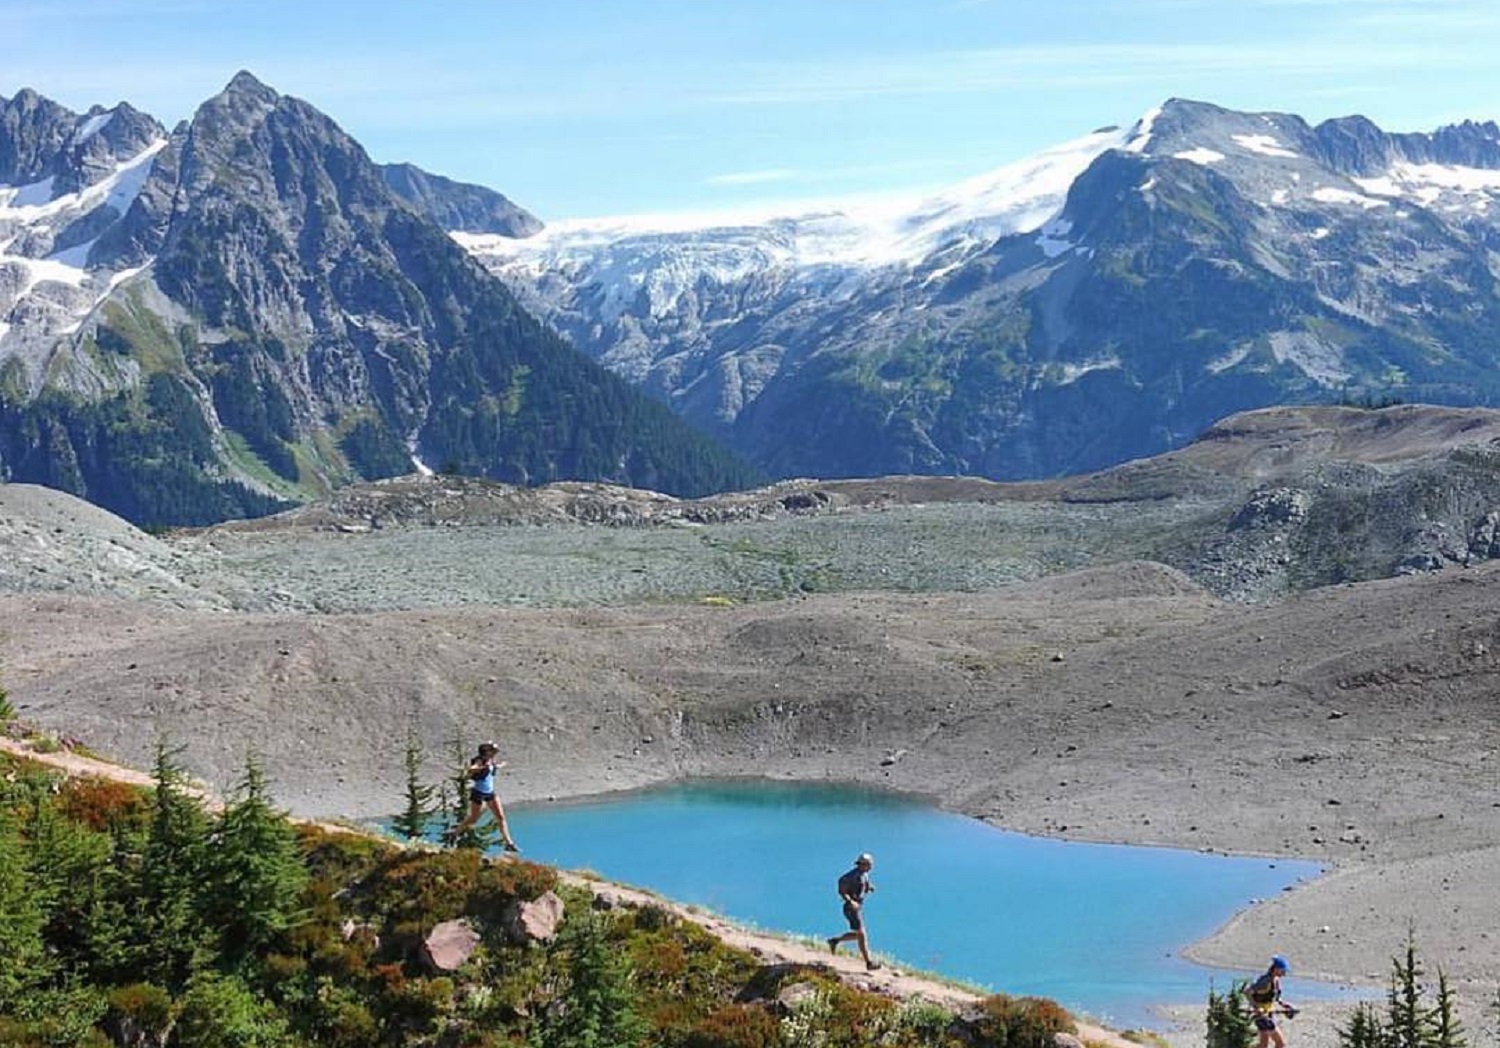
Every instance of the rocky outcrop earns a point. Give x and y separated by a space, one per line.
449 945
535 920
459 206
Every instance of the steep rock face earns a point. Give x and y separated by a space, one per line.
287 323
1105 300
459 206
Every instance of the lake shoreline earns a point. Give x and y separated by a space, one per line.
1334 925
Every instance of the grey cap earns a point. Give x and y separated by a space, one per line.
865 859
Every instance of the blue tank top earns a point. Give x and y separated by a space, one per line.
486 783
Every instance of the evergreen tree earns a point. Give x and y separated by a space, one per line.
1229 1024
169 932
412 822
67 861
23 915
257 872
1447 1031
599 999
1410 1023
1363 1030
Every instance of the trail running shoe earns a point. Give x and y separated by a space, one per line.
833 946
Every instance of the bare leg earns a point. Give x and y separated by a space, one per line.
475 808
499 810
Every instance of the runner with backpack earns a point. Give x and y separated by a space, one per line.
1264 995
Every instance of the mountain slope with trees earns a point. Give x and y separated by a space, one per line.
259 316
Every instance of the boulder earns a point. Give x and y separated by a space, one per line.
793 994
1065 1040
449 946
535 921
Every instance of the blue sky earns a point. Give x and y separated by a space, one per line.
592 107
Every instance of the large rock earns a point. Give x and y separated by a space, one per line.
794 994
449 946
535 921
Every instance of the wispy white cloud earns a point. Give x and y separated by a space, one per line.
1085 65
752 178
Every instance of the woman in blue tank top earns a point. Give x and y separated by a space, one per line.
482 795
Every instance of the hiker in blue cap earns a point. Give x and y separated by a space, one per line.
1266 1003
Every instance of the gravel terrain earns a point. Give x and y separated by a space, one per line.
1012 652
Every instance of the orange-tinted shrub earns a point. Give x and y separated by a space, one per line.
736 1026
102 803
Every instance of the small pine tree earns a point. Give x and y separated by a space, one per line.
1410 1019
412 822
1363 1030
1229 1023
1447 1031
257 869
168 926
22 918
600 996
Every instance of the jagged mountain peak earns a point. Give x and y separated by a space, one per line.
243 103
246 84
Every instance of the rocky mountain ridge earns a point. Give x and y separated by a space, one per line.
257 316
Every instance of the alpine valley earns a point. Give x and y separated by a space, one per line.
246 311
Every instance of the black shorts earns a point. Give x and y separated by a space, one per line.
855 916
1265 1023
476 797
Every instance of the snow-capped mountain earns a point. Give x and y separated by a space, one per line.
66 182
247 311
1107 298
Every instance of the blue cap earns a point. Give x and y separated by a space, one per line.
1279 961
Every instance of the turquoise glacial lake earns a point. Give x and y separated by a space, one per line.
1097 927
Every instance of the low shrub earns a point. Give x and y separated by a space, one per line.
102 804
736 1026
1020 1022
140 1014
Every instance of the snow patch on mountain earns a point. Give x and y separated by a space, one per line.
91 126
1200 155
1265 145
1142 136
1449 186
1334 195
1053 237
46 295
